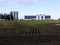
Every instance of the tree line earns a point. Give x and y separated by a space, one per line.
6 17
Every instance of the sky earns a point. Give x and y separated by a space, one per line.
31 7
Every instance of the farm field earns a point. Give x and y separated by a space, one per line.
29 27
30 32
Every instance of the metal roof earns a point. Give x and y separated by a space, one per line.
47 16
30 17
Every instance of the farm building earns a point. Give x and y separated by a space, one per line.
30 17
37 17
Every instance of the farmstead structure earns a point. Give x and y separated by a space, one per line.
37 17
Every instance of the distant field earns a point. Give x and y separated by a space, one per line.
29 27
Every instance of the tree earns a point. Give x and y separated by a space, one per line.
59 19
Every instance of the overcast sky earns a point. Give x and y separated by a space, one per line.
31 7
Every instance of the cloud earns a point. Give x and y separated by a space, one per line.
19 1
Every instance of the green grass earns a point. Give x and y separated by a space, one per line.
29 27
